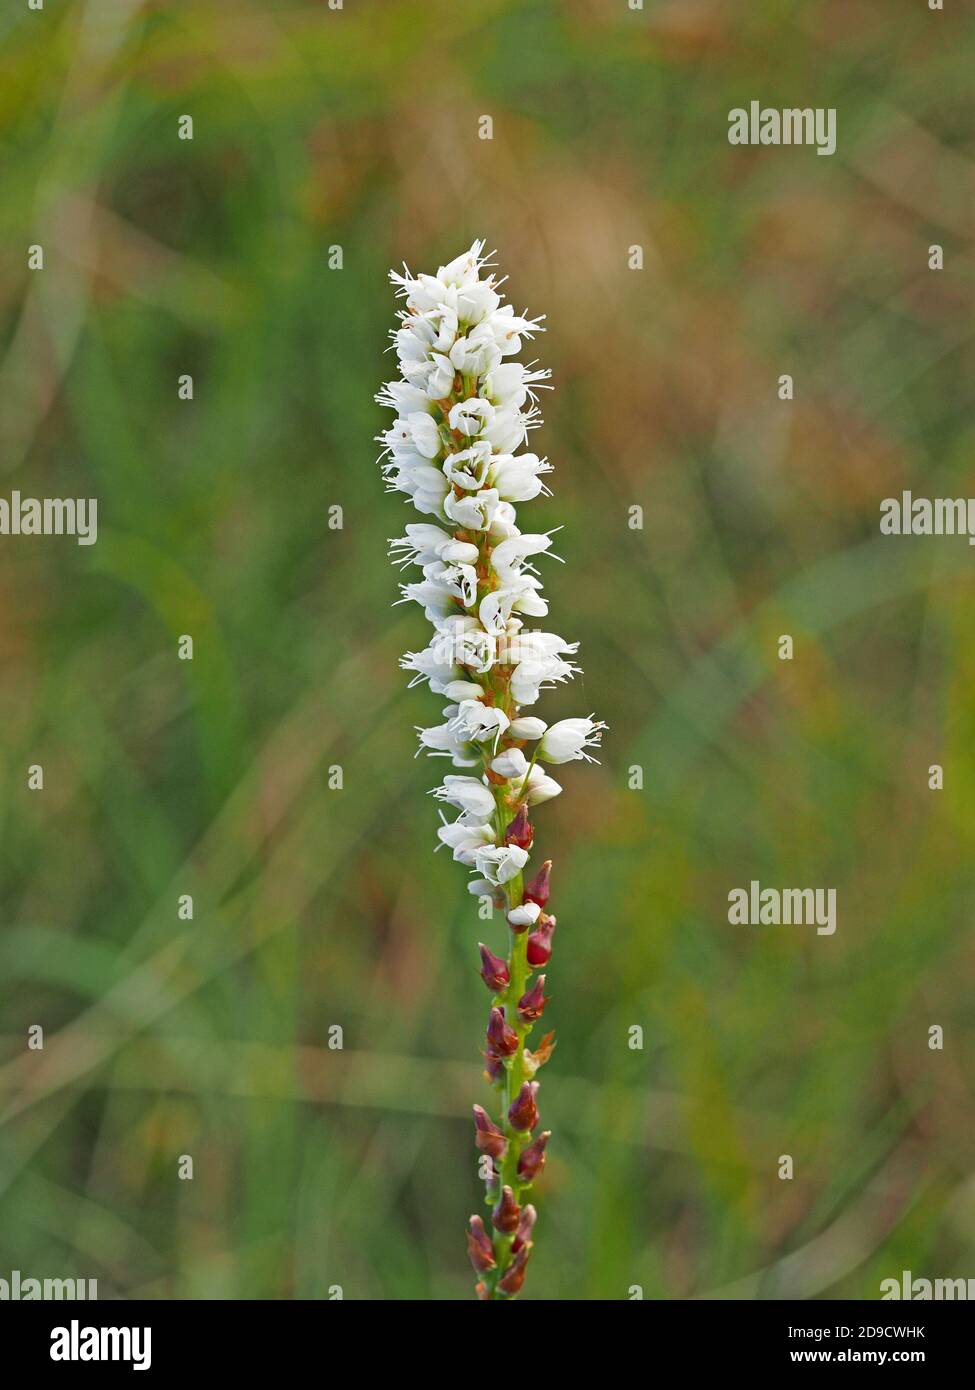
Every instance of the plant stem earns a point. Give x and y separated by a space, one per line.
515 1074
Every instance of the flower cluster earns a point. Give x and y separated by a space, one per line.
464 410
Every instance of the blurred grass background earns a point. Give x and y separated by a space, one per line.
318 907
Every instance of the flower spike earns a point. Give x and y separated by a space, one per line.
464 405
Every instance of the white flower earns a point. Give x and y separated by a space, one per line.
473 512
471 416
436 600
466 841
533 646
482 889
476 720
459 553
427 486
509 328
508 557
475 302
421 544
494 610
476 354
500 863
467 794
511 764
511 383
541 787
507 429
426 436
463 269
468 467
442 741
462 690
444 322
462 641
569 738
431 665
525 915
529 600
403 397
529 677
460 581
413 341
503 522
441 377
526 727
517 478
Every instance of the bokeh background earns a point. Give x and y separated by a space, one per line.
317 907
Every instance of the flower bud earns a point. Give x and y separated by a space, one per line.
540 941
526 1224
507 1213
513 1278
532 1159
531 1005
502 1040
523 916
527 726
487 1136
480 1248
541 788
538 890
523 1112
494 971
520 831
511 765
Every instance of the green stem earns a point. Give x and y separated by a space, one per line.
515 1076
518 966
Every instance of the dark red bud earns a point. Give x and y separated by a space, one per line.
532 1159
538 890
507 1213
514 1276
526 1225
540 941
531 1005
494 971
488 1138
480 1248
520 831
502 1040
523 1112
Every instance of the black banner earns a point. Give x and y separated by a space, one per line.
165 1339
